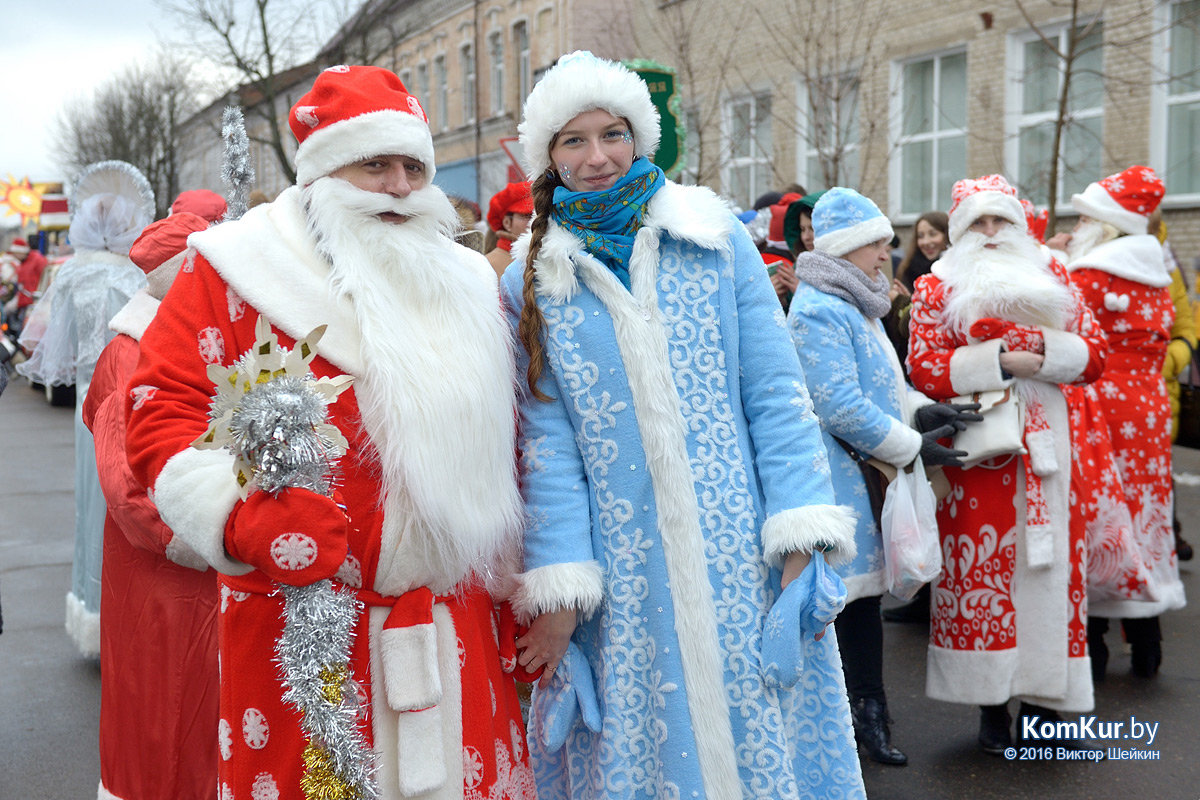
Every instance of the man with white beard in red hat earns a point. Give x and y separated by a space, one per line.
428 511
1008 612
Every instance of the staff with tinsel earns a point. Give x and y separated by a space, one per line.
272 414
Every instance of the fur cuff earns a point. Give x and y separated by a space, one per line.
410 668
195 494
976 368
900 446
1066 357
556 586
807 528
179 553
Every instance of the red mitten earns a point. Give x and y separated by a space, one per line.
509 631
1016 337
296 537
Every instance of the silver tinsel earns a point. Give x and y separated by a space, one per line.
236 170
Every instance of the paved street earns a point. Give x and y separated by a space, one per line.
50 697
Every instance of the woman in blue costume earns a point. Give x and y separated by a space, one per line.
674 477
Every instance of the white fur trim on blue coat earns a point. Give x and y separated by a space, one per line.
806 529
558 586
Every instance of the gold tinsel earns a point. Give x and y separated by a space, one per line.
320 780
333 682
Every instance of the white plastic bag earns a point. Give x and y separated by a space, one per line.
912 552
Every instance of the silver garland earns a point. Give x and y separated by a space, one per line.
272 414
237 171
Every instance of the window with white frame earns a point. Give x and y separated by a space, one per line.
442 102
748 130
521 46
496 51
423 85
932 134
1182 163
1038 83
466 57
829 131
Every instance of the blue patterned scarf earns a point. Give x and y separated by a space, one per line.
607 221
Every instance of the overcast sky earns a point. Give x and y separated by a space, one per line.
58 49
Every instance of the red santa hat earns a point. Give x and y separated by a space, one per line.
582 82
512 199
775 232
19 247
202 203
354 113
164 240
973 198
1125 200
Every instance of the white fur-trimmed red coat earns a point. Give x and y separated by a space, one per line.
464 710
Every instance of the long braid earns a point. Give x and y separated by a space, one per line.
530 326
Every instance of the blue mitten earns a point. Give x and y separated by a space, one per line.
571 694
808 604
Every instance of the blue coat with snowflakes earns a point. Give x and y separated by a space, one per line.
677 464
860 396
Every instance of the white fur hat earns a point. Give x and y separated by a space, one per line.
582 82
1125 200
974 198
843 221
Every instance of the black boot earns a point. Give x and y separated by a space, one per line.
1183 550
871 731
1145 642
995 735
916 610
1097 649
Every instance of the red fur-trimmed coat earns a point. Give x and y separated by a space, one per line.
448 723
1007 621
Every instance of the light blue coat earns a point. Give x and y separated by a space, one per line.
677 464
860 396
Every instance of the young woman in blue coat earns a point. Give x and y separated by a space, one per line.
674 477
860 395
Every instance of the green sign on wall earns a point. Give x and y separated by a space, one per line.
672 154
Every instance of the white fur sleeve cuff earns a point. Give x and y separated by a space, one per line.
807 528
195 493
900 446
1066 357
976 368
578 585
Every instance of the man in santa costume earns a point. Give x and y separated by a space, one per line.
29 275
158 630
428 509
1119 269
508 216
1009 613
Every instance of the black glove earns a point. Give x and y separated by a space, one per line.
935 415
934 454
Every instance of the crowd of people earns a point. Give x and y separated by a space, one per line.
633 449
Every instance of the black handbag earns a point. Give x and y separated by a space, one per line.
1189 402
875 480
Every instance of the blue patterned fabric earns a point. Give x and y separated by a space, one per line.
737 403
809 605
859 393
607 221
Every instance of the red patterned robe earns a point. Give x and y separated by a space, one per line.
441 715
1125 284
1009 610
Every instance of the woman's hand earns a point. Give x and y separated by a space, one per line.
796 561
546 642
1021 363
784 280
898 290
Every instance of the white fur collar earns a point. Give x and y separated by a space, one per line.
1138 258
136 315
691 213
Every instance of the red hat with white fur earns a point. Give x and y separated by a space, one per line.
512 199
355 113
166 239
977 197
19 247
1125 200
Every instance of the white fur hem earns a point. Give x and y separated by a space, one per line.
195 492
1079 697
376 133
83 627
978 677
846 240
136 315
900 446
869 584
807 528
1171 598
410 669
556 586
1066 357
105 794
976 368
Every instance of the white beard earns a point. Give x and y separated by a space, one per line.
437 393
1012 282
1085 238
